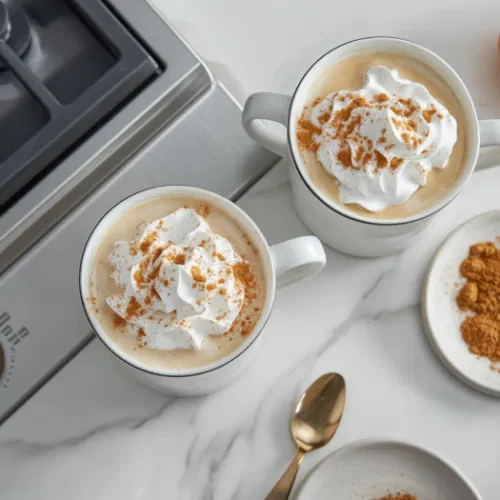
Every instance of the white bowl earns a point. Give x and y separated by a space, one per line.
372 468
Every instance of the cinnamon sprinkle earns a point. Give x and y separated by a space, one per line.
148 241
367 158
412 125
429 113
139 278
118 321
359 154
397 111
154 273
381 160
306 134
203 211
243 273
158 251
354 123
180 259
396 162
397 123
344 156
140 338
406 138
382 97
398 496
197 275
323 117
133 307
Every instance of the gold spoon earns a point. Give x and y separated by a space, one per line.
317 418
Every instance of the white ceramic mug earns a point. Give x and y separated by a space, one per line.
284 264
336 225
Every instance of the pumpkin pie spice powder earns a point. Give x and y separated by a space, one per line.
481 296
398 496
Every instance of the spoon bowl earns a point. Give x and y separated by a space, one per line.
318 412
316 419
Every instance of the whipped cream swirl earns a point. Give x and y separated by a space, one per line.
178 282
381 141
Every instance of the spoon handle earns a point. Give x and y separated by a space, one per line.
283 487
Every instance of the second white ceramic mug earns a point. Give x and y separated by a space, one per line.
336 225
284 264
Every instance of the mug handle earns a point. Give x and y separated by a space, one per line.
489 135
267 106
297 259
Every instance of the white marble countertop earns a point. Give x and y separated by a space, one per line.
93 433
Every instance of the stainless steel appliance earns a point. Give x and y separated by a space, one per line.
111 101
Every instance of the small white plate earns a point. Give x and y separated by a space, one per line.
440 314
371 469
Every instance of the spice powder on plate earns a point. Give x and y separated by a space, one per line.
481 295
398 496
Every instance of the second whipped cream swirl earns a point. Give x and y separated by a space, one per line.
179 282
381 141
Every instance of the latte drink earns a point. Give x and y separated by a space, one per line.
176 284
383 136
